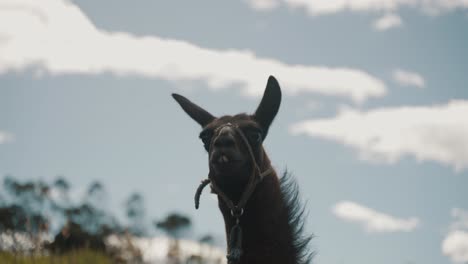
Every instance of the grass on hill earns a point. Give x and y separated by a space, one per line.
76 257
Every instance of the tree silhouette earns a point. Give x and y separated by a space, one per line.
28 207
174 224
26 211
96 194
12 218
135 211
61 183
62 188
206 240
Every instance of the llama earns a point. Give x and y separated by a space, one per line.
262 214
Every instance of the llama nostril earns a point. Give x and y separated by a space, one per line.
224 141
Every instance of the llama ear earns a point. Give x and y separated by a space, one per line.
194 111
269 105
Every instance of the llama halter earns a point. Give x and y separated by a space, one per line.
235 238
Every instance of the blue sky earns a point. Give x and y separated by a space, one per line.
372 124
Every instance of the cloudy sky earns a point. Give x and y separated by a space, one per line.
373 124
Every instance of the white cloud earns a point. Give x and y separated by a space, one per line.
323 7
155 249
263 4
57 37
437 133
455 244
407 78
387 21
6 137
371 220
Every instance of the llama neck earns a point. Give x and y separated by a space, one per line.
267 234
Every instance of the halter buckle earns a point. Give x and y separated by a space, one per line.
237 212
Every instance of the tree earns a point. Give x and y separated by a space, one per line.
61 187
206 240
12 218
96 195
174 225
26 212
135 211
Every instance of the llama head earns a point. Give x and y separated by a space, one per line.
225 137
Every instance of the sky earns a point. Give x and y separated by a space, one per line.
373 123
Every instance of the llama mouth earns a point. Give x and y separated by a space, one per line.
224 160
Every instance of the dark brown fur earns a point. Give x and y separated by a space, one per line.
273 217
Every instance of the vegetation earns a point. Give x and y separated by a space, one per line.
82 256
28 209
174 224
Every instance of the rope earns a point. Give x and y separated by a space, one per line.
198 193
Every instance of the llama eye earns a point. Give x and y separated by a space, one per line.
255 136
